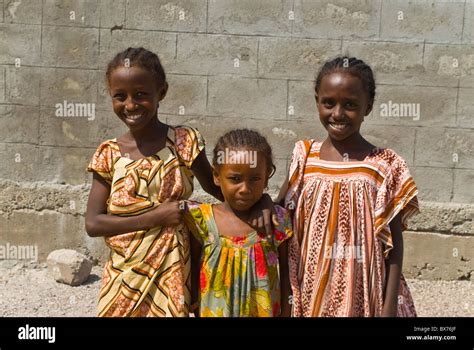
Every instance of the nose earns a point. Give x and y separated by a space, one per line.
130 104
245 188
337 112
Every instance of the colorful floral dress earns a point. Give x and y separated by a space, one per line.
342 212
148 272
238 275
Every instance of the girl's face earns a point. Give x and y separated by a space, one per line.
135 96
242 184
342 103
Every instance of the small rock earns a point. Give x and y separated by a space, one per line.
68 266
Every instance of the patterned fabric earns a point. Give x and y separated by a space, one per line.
238 275
148 272
342 212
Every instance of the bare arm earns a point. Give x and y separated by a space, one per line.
203 172
195 274
99 223
394 269
284 280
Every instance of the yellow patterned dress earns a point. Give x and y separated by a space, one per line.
148 272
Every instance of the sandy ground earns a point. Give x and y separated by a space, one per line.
28 290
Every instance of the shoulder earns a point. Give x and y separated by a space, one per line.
388 157
185 133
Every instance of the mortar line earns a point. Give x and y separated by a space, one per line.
207 16
463 18
380 19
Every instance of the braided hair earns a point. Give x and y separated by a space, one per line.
251 140
137 57
353 66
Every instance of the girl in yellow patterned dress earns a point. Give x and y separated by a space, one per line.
237 271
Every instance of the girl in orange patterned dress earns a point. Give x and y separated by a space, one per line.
138 180
350 203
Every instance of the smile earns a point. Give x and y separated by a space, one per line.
339 126
133 117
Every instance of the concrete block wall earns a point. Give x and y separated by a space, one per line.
230 64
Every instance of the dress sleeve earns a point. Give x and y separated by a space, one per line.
102 162
296 172
189 143
195 220
284 229
397 195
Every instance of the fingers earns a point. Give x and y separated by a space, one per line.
275 220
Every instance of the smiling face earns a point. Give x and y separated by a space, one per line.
242 184
135 96
342 103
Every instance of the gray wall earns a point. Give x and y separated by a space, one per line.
422 53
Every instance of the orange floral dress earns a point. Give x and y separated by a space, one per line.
148 272
341 216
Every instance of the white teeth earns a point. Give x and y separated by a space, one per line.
133 117
338 126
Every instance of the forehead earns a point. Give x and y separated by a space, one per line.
341 82
123 76
243 162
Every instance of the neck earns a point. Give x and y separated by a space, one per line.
148 132
353 142
242 215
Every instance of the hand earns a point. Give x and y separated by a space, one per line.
167 213
263 214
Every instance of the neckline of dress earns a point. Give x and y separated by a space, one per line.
337 162
170 134
216 229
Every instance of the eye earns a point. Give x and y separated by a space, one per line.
351 105
234 178
328 103
140 94
255 178
120 97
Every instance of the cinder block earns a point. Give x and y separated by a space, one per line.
71 85
2 83
401 139
434 184
445 148
176 16
216 54
1 12
20 41
414 106
448 65
22 85
186 95
113 42
64 165
391 62
453 259
294 58
78 131
76 13
26 12
468 33
465 108
336 19
301 101
264 17
434 21
18 161
229 96
112 13
19 124
70 47
463 186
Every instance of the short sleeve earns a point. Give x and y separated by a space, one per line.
397 195
284 229
296 172
189 143
195 220
102 162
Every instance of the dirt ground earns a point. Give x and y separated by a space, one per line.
28 290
